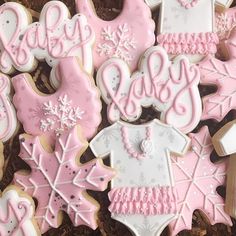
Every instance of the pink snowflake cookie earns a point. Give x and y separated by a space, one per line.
122 37
17 214
75 102
223 75
59 182
196 180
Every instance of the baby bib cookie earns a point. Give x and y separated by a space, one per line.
122 37
17 213
187 26
59 181
196 182
222 75
223 142
142 193
8 120
55 36
170 87
75 102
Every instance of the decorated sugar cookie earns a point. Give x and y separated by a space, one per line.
8 120
142 193
17 214
53 37
59 181
223 75
75 102
187 26
196 181
170 87
122 37
224 144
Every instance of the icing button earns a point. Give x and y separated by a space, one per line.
146 146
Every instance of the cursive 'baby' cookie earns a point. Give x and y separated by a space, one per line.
142 193
59 181
75 102
170 87
17 213
122 37
53 37
187 26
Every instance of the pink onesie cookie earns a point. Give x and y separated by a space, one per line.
125 37
223 75
170 87
196 182
187 26
53 37
59 181
142 193
8 120
75 102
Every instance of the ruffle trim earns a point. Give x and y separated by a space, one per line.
143 200
189 43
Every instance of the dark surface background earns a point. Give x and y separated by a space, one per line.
106 9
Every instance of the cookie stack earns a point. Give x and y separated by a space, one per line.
123 93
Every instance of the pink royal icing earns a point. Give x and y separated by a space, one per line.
8 121
53 37
171 88
189 43
16 214
59 183
221 74
75 102
121 37
196 181
143 200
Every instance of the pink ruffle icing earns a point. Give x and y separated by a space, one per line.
143 200
189 43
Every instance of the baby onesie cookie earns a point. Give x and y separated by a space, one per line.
75 102
187 26
221 74
140 197
8 120
59 181
17 213
53 37
122 37
196 181
170 87
224 144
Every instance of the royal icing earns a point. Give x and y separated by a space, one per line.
8 120
16 215
170 87
138 196
59 181
196 182
53 37
187 26
221 74
75 102
121 37
224 145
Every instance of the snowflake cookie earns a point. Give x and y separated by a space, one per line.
59 181
75 102
223 75
16 214
122 37
196 181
